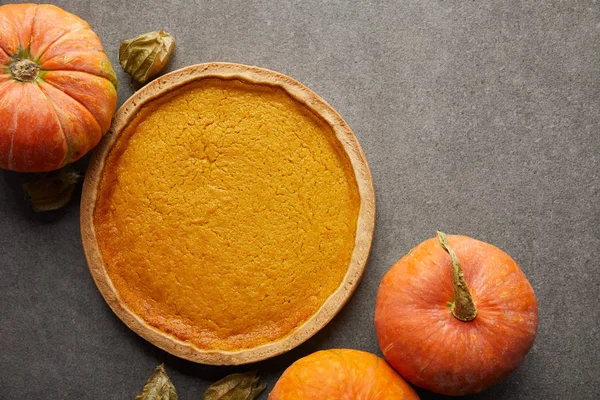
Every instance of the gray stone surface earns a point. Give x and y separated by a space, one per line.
479 118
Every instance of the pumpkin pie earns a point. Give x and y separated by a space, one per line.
229 213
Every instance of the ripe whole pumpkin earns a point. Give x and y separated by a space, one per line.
57 88
341 374
455 315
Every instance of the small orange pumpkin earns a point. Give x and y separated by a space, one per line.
57 88
341 374
451 332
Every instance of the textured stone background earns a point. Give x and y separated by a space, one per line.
477 117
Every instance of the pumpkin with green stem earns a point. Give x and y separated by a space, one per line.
57 88
455 315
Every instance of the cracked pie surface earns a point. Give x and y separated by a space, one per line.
229 214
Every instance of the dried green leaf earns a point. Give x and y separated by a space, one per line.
53 190
158 387
242 386
146 55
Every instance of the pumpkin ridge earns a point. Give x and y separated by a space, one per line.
60 39
77 101
48 45
37 8
62 131
12 139
4 49
79 70
20 47
6 54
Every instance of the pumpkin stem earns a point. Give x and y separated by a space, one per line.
24 70
463 307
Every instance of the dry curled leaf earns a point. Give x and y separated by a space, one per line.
158 387
242 386
146 55
52 190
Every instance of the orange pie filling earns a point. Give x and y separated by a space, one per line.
227 214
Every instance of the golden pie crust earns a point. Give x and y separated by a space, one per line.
228 214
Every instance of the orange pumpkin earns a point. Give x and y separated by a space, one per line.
57 88
455 332
341 374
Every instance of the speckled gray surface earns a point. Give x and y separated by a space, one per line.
480 118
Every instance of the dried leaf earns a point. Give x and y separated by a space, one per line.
242 386
146 55
158 387
51 191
